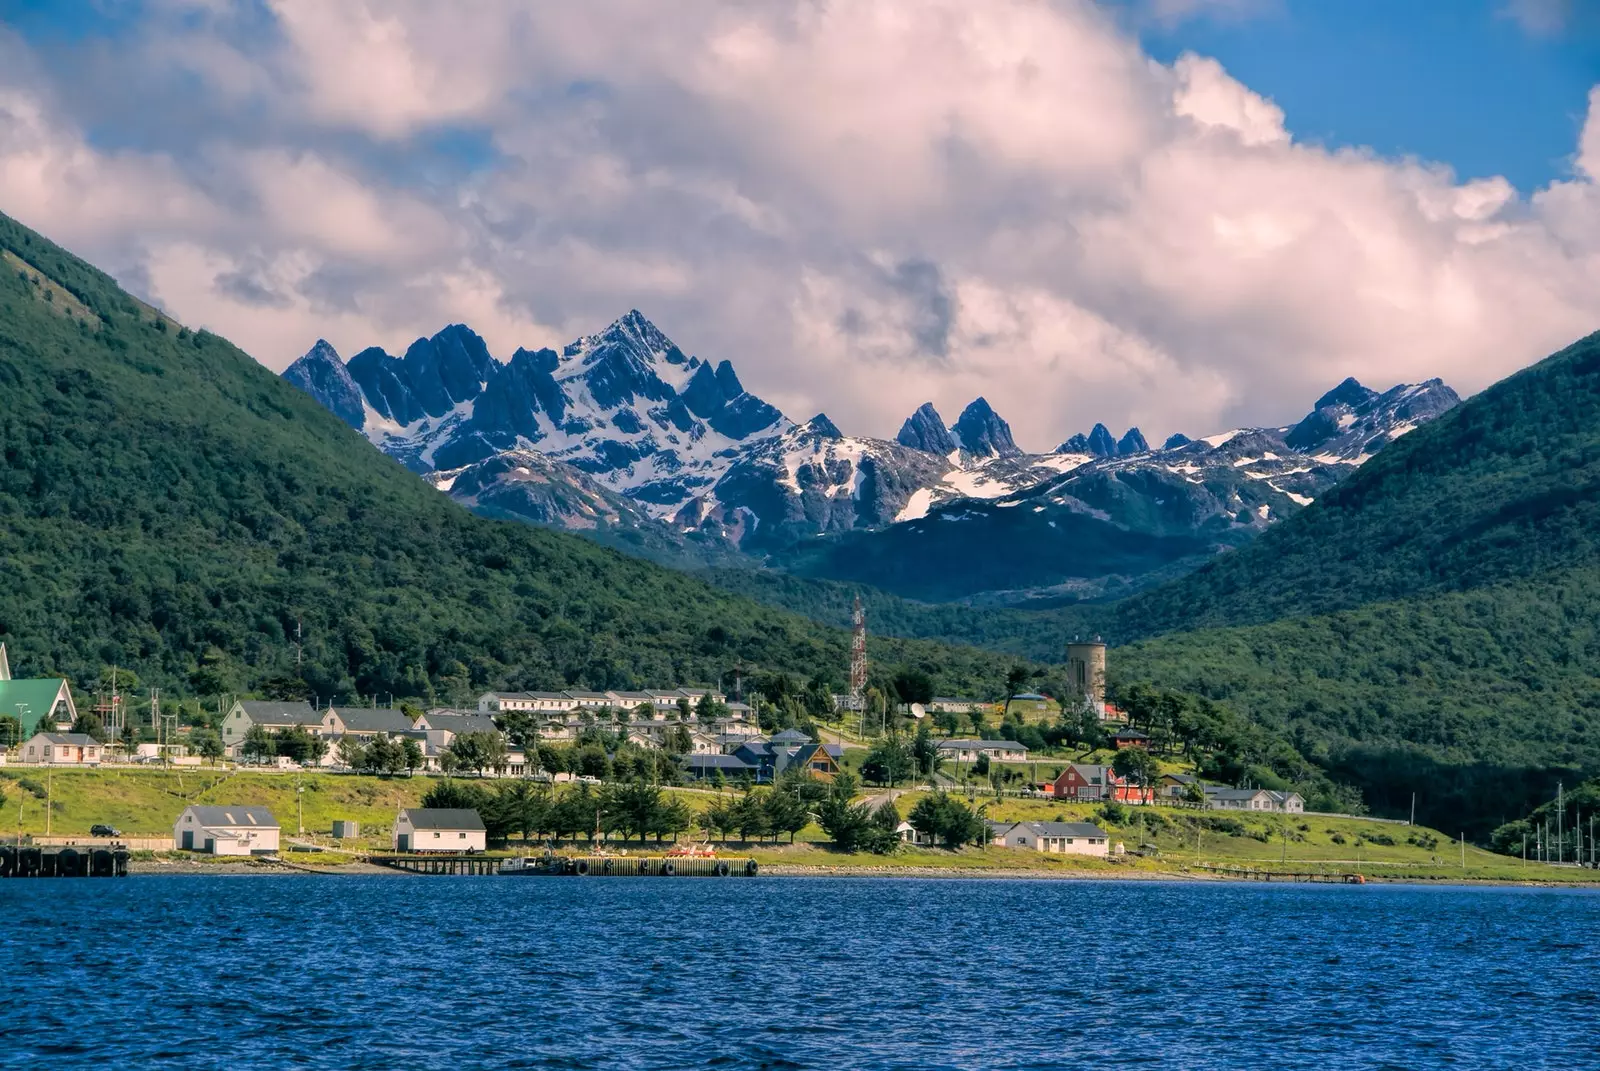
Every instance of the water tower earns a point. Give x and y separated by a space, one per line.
1086 673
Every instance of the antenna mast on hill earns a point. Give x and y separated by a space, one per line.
858 653
110 710
297 645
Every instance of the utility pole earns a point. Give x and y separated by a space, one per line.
1413 808
49 796
1463 851
1561 855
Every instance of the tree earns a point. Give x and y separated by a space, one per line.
10 731
913 686
1016 677
851 826
1139 766
385 755
207 743
479 751
684 708
888 763
352 752
90 725
411 754
942 817
679 741
258 743
925 752
297 745
786 812
552 759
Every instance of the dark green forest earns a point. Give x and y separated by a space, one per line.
168 504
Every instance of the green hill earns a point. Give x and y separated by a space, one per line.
167 504
1505 486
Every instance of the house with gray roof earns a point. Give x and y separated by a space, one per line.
1054 838
272 716
368 721
226 830
439 829
1253 799
62 749
968 750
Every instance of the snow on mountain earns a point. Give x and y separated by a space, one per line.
622 430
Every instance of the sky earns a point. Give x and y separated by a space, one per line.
1187 215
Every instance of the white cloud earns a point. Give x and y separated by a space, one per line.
864 206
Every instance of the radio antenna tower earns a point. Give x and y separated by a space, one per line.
858 652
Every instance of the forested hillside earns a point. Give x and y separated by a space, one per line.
168 504
1505 486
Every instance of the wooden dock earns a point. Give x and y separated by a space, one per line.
1314 877
576 866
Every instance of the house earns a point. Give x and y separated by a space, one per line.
1084 781
525 702
274 717
814 759
226 830
62 749
1126 738
1253 799
1288 802
950 705
1175 786
791 738
367 722
439 829
449 725
38 705
969 750
704 767
908 834
1055 838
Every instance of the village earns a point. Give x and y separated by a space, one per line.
679 736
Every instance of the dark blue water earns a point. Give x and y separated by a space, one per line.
396 972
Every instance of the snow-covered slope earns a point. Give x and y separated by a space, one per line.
623 431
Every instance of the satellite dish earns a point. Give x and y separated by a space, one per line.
917 711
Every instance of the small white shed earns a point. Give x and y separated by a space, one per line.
439 829
226 830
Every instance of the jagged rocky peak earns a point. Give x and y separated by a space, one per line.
321 374
1098 442
980 432
924 430
1176 440
822 427
1132 443
1350 393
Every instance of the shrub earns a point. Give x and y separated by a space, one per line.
1113 813
1381 838
1337 838
29 785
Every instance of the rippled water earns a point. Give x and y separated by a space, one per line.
381 972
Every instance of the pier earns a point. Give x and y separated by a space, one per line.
1315 877
576 866
31 861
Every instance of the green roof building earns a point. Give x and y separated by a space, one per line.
35 703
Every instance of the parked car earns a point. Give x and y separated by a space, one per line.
104 831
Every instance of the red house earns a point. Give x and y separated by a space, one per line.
1082 781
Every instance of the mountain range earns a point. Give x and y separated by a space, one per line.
623 436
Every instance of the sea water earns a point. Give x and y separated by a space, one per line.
456 973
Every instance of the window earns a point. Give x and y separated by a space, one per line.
463 836
436 836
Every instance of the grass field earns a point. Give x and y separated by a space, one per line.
1160 839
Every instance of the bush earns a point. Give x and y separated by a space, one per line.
29 785
1337 838
1113 813
1381 838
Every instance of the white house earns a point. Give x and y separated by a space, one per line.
439 829
1254 799
969 750
62 749
1055 838
226 830
367 722
272 716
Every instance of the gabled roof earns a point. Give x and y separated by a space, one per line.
1234 793
1129 734
731 763
242 817
373 719
30 700
634 697
443 818
978 745
1064 829
267 712
70 739
807 754
462 723
791 736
